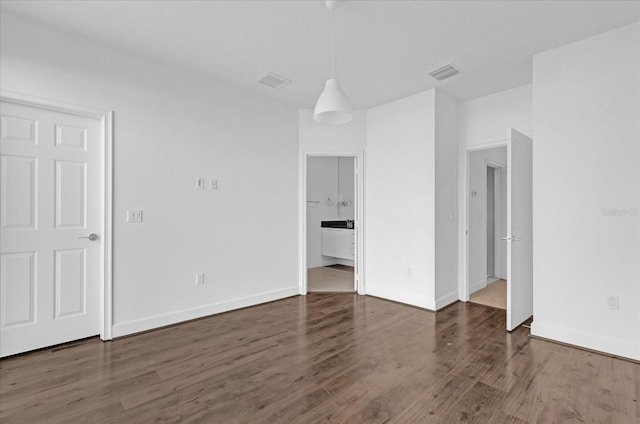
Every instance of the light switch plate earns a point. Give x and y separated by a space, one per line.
134 216
613 302
200 183
213 184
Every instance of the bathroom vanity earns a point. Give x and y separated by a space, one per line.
338 239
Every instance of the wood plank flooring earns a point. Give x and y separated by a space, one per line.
333 358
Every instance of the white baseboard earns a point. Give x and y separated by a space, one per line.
478 285
589 341
314 264
447 299
402 297
161 320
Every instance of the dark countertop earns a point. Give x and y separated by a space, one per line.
337 224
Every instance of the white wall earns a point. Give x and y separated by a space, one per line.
322 181
446 201
346 193
322 138
484 122
400 200
324 176
477 237
170 127
586 162
411 200
487 119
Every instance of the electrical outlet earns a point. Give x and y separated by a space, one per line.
200 183
134 216
613 302
199 279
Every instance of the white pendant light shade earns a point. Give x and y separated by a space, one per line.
332 106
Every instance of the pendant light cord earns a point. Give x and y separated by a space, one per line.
332 30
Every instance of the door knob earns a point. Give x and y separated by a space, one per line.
91 237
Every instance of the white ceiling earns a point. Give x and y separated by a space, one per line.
384 49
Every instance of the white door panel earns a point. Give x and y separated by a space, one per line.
17 296
51 195
18 178
519 230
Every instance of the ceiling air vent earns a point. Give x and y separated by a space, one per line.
445 72
273 80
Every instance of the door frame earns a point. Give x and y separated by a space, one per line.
463 285
359 217
106 260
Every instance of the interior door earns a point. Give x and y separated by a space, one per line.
519 230
50 202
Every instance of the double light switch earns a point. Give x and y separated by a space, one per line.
201 184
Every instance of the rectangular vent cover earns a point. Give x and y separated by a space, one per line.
445 72
272 80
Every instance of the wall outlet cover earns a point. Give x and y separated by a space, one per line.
134 216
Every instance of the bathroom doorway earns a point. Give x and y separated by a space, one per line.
513 250
331 216
487 226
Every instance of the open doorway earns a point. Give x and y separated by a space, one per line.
514 164
331 205
487 203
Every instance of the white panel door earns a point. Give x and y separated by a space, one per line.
519 230
51 165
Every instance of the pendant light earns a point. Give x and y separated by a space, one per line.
332 107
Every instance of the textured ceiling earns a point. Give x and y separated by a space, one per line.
384 49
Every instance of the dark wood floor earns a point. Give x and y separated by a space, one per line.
338 358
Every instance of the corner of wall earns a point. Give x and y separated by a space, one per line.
446 196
